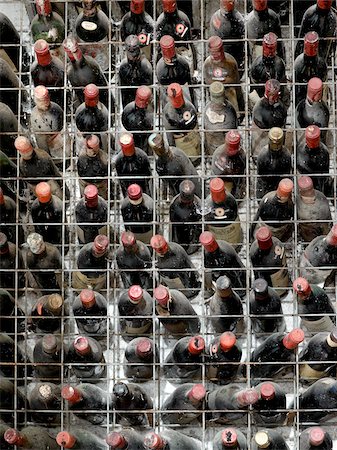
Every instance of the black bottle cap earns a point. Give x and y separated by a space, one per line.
260 287
187 190
120 390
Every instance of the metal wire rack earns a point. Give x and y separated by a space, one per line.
159 388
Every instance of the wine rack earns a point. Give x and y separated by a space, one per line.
158 388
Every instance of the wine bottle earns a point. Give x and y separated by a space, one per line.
91 117
273 163
180 115
230 438
93 30
88 402
278 347
185 217
175 267
126 437
128 401
261 21
319 258
138 214
270 439
29 436
44 262
134 261
265 309
315 438
47 215
48 25
221 66
83 70
13 363
308 64
219 117
10 261
313 159
4 445
322 19
229 163
45 402
13 404
221 215
11 85
170 439
90 310
138 117
135 308
223 358
175 312
314 307
228 23
35 163
220 259
12 315
184 405
276 211
313 211
319 357
46 122
268 251
9 224
134 162
47 312
135 69
87 361
91 214
81 440
92 265
139 23
184 362
47 70
224 403
8 128
173 165
141 354
271 407
313 110
47 357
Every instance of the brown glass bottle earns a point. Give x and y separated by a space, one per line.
11 266
184 405
90 312
46 314
47 357
45 402
87 361
29 436
140 356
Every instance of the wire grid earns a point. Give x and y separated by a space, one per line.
159 388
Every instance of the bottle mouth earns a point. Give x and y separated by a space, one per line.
229 437
227 341
116 440
208 241
159 244
135 294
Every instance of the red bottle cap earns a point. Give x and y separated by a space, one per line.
162 295
169 6
91 196
312 136
93 142
227 341
13 437
301 287
215 47
229 437
324 4
264 238
208 241
267 391
248 397
23 146
81 345
315 89
306 186
137 6
43 7
135 192
43 192
41 96
128 239
167 47
260 5
91 95
316 436
116 440
197 393
144 347
285 188
217 188
87 297
232 142
42 52
2 197
292 339
100 244
127 144
135 294
269 44
311 43
332 236
152 440
71 394
175 94
159 244
196 345
65 439
143 96
227 5
272 91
